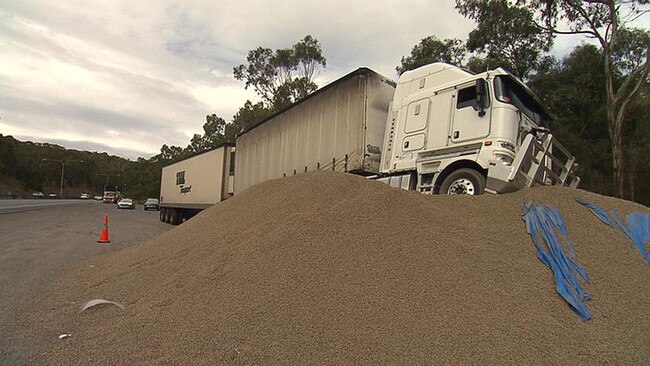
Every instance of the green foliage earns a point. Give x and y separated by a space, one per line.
213 135
637 148
629 52
248 116
626 56
25 162
431 49
573 92
506 34
169 154
282 76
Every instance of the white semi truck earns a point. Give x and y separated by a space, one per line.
438 130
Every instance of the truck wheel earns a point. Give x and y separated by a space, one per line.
168 215
175 216
161 215
463 181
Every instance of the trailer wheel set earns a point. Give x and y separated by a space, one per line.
176 216
171 215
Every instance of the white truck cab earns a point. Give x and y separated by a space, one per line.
453 132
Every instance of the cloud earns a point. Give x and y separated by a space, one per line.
88 146
132 76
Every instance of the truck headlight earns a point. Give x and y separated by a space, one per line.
504 158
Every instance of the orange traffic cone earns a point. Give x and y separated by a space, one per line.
103 237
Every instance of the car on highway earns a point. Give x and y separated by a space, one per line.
151 204
98 198
110 197
51 195
38 195
85 196
126 203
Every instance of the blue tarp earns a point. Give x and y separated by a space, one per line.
599 212
542 223
636 227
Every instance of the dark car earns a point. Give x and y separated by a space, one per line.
151 204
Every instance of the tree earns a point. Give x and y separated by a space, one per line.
506 34
431 49
213 135
572 90
625 53
247 116
213 130
169 153
282 76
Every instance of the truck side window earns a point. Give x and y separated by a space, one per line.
467 98
180 178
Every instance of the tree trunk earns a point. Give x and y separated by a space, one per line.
618 163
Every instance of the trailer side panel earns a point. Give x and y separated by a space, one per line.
197 182
341 128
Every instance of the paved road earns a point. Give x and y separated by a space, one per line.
40 239
13 206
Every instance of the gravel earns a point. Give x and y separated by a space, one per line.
331 268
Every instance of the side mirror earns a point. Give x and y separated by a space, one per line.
481 96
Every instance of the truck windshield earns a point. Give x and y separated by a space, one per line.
508 90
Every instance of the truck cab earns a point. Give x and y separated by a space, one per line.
451 131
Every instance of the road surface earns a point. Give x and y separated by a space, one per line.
14 206
40 239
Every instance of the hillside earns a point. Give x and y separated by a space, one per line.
27 166
328 268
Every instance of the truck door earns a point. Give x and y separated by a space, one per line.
415 126
467 122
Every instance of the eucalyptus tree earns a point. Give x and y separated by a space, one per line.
625 51
431 49
282 76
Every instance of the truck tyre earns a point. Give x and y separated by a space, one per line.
168 215
463 181
174 216
161 215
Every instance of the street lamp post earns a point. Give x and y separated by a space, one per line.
106 175
63 171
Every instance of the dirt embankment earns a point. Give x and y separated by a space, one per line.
327 268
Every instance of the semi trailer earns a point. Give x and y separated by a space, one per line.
439 130
191 185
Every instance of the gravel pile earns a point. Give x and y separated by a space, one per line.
330 268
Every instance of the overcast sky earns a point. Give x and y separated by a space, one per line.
126 77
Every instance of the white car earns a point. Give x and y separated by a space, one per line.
126 203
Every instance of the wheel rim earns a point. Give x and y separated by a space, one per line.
461 186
